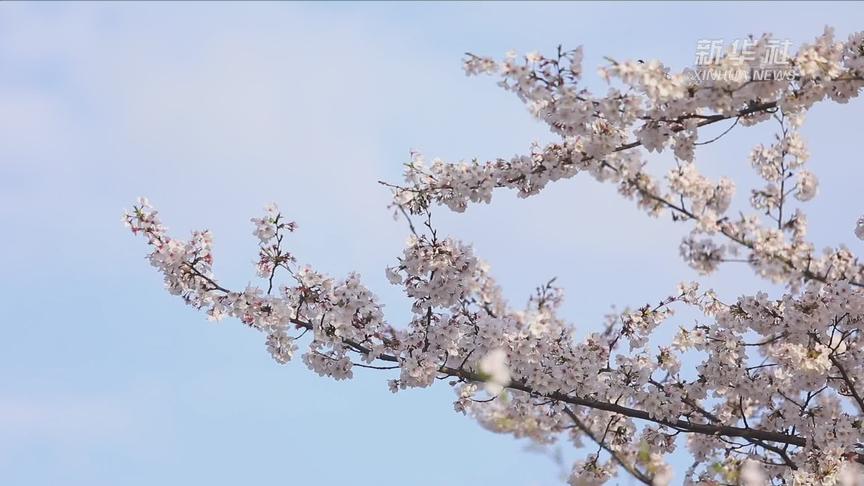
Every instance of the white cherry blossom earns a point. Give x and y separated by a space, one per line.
765 390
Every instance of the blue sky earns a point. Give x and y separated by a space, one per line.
213 110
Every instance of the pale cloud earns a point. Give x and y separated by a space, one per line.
77 418
62 418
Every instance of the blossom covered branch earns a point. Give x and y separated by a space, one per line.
774 392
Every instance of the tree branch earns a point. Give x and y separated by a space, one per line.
639 475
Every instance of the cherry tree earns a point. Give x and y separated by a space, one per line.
772 391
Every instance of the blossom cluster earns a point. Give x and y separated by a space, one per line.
767 390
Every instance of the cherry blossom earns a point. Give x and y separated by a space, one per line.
759 390
494 365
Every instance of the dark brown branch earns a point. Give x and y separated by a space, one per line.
713 418
683 425
630 468
806 273
848 380
678 424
